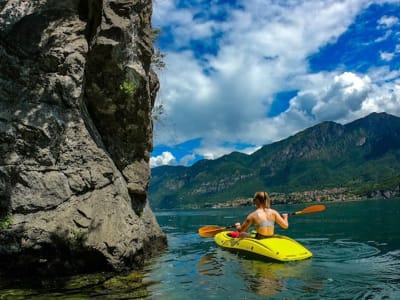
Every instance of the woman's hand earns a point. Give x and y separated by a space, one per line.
238 226
282 220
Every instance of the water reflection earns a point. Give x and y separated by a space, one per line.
262 278
208 265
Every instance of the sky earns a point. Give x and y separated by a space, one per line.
242 74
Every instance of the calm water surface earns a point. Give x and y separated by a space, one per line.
355 245
356 255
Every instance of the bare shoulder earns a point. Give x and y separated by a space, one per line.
274 211
251 215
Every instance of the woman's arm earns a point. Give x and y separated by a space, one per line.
282 220
246 224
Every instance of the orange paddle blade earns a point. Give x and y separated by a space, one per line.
210 230
310 209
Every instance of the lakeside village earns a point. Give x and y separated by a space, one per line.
326 195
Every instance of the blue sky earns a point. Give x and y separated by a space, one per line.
243 74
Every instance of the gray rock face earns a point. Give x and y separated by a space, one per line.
76 95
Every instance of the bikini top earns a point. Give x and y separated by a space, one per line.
265 224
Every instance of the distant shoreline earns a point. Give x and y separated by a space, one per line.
308 197
314 196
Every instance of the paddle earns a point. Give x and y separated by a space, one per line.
211 230
308 210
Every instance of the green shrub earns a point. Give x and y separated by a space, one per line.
5 222
128 87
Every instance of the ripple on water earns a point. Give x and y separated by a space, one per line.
353 270
340 250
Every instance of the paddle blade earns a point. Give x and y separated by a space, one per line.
310 209
210 231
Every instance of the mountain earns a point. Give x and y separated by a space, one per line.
362 157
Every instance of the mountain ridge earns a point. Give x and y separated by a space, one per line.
359 156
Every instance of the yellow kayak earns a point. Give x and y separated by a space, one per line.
277 247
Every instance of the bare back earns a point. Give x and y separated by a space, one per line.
264 218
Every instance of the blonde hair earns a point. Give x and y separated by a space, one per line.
263 198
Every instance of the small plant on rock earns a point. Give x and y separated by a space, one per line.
128 87
5 222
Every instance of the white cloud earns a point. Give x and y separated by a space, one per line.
334 99
388 21
166 158
350 96
385 94
226 96
386 56
344 95
187 159
213 151
250 150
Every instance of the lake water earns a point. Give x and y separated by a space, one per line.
355 245
356 255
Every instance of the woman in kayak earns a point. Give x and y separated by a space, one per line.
263 218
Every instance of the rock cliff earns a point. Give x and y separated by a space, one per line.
76 95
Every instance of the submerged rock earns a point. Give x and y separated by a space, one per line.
76 95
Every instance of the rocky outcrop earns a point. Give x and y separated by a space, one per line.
76 95
385 193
